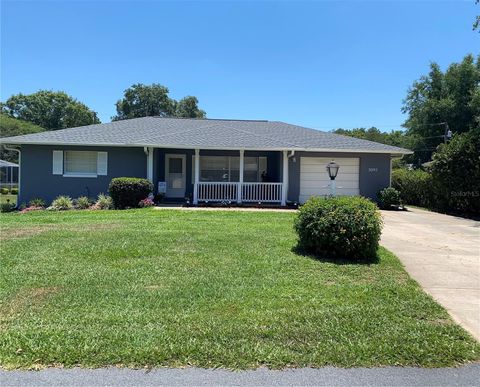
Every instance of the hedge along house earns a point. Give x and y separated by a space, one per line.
207 160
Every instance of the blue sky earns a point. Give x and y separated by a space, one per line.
322 64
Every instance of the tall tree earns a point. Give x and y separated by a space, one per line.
141 100
476 23
9 127
188 107
394 137
451 97
49 109
145 100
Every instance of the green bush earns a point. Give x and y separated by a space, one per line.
7 207
62 203
82 203
341 227
126 192
37 202
389 197
4 191
104 202
456 172
415 186
14 191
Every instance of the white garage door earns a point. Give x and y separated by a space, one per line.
314 179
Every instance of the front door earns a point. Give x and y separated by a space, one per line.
175 175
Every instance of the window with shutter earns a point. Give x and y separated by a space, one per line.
80 163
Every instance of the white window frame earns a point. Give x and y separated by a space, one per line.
60 164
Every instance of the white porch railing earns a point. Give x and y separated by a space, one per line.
217 192
261 192
239 192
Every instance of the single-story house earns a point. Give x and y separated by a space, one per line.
8 174
206 160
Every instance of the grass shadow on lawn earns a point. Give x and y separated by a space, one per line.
301 251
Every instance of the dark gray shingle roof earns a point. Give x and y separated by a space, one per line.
204 134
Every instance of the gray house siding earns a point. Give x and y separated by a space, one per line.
38 181
374 172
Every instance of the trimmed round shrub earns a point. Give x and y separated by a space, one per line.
4 191
340 227
126 192
62 203
389 197
14 191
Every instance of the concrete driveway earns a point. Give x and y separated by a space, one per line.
442 253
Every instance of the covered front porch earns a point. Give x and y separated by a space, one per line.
219 176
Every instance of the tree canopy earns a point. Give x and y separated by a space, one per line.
9 127
188 107
476 23
451 97
141 100
456 172
49 109
395 137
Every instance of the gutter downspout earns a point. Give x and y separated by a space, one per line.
19 167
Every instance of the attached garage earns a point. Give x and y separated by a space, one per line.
314 180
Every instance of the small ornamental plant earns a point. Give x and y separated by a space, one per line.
14 191
147 202
104 202
340 228
7 207
36 202
62 203
82 203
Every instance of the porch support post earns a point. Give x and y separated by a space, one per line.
150 164
240 179
285 178
197 176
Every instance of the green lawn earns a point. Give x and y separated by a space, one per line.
204 288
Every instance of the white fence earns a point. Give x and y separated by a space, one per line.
240 192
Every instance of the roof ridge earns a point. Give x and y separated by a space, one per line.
204 119
187 130
267 137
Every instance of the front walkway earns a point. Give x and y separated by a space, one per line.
218 208
442 253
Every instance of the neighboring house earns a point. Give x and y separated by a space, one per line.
210 160
8 174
